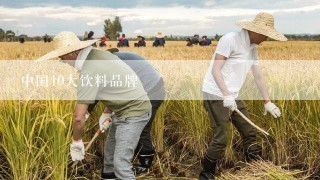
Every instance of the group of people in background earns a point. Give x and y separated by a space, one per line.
195 40
47 39
89 36
124 42
158 42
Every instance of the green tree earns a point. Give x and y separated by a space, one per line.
106 29
217 37
2 34
117 26
113 33
109 29
112 28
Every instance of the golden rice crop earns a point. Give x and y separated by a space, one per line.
34 135
260 170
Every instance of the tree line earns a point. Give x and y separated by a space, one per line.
113 28
10 36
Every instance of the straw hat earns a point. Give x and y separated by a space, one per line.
64 43
263 23
159 35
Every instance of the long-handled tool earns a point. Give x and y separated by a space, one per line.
89 145
250 122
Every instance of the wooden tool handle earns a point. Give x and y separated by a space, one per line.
252 124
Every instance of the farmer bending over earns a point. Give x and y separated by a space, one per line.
154 86
130 104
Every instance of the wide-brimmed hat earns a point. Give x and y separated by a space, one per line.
159 35
66 42
263 23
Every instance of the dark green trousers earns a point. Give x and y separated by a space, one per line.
221 118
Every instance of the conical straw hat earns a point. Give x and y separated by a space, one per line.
159 35
263 23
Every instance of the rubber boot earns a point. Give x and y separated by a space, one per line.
209 169
145 163
253 154
108 176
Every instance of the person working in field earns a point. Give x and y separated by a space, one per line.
205 41
154 86
103 41
189 42
90 37
159 41
141 42
130 104
123 41
235 55
195 39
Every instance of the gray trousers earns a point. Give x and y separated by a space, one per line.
121 142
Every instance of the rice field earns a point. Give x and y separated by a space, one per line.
35 135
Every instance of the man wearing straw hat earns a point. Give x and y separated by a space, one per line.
159 41
130 104
235 55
